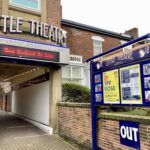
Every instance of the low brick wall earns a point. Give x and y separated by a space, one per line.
74 123
108 128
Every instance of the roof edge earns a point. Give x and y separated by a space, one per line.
95 29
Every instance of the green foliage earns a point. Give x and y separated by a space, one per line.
130 110
75 93
137 111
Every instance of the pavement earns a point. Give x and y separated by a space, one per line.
17 134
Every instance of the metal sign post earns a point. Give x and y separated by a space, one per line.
93 112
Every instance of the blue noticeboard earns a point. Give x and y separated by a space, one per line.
129 134
125 84
121 80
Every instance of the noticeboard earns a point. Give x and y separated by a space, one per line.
121 79
127 82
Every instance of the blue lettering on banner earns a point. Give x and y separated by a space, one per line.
126 57
129 134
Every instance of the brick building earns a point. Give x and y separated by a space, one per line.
34 57
32 52
86 41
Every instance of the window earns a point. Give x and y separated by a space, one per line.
97 44
66 72
34 5
87 75
72 74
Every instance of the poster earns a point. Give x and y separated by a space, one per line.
111 87
147 82
131 85
98 97
29 4
97 78
98 88
146 69
147 96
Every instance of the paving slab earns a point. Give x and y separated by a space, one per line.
17 134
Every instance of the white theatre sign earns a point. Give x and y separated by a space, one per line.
41 29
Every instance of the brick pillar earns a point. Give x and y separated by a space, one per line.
55 97
0 7
54 12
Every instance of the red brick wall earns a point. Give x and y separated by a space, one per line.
75 124
0 7
5 102
110 42
108 137
80 42
1 102
54 12
8 103
133 32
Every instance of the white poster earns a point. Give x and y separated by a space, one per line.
131 85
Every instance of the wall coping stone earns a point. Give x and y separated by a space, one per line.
80 105
109 115
70 104
117 116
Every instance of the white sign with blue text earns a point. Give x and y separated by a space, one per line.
129 134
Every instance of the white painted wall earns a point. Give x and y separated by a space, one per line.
32 102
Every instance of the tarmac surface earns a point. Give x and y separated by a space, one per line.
17 134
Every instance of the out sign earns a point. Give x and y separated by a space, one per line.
129 134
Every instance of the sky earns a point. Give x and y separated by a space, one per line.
113 15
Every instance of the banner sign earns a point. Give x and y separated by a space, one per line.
129 134
111 86
131 85
125 57
9 24
21 52
20 49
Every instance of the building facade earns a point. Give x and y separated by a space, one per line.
86 41
32 52
39 51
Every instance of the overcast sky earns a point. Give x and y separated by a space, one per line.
113 15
